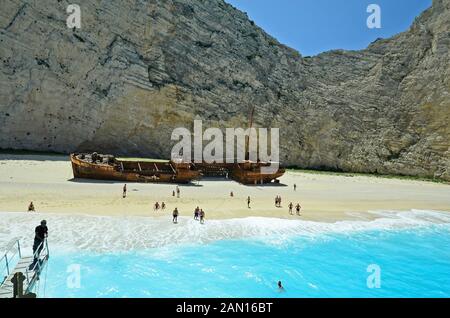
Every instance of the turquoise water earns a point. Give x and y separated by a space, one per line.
414 262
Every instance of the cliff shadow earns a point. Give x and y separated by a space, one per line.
17 155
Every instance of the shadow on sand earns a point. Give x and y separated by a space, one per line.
269 185
191 184
96 181
273 184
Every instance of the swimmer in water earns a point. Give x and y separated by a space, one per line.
280 286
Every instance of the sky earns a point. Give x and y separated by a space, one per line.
315 26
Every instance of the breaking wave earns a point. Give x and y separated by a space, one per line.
125 233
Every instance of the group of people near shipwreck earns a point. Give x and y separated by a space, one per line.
298 207
199 214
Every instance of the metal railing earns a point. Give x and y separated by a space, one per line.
7 260
40 258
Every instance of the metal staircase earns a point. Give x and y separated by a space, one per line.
27 269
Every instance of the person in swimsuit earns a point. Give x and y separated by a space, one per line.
31 207
291 205
297 208
163 206
248 202
175 216
202 216
124 193
196 213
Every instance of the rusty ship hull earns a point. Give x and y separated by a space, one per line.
249 173
106 167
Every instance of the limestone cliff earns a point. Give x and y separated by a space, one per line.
136 69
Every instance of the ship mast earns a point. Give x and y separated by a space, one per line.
247 138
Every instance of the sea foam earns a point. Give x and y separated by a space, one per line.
125 233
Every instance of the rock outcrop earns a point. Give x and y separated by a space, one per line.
136 69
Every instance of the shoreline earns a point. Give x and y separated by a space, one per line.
103 234
325 197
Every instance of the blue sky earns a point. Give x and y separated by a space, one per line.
315 26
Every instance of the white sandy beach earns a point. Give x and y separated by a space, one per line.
49 183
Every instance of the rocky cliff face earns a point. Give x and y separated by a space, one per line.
136 69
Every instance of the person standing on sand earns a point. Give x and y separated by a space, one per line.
231 194
196 212
297 208
124 193
178 192
295 187
163 206
175 216
278 201
248 202
31 207
291 205
202 216
173 193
